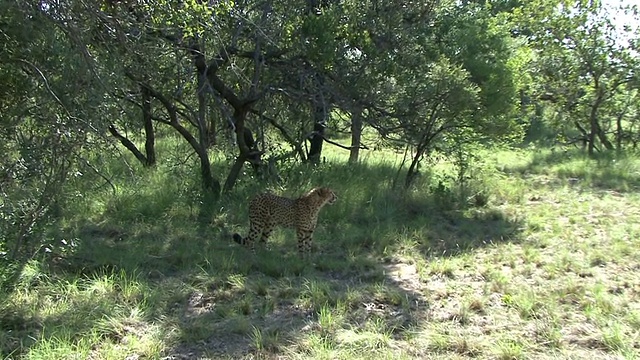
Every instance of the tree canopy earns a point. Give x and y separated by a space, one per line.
263 82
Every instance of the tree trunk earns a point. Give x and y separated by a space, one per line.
619 133
203 129
150 140
413 168
212 126
234 173
592 136
429 133
319 124
593 118
595 129
245 141
200 63
603 137
149 159
412 172
585 135
619 130
209 183
356 133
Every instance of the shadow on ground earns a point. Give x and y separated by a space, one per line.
214 298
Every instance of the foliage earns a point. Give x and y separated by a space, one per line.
45 125
585 64
457 89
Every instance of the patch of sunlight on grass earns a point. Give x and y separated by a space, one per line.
362 340
526 301
62 347
265 339
615 339
331 319
316 294
509 349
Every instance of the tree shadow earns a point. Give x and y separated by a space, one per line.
365 285
352 268
230 302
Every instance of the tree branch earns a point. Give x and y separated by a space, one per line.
283 132
128 144
315 133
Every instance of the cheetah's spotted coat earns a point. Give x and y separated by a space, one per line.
266 211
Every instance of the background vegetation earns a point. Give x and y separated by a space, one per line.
484 155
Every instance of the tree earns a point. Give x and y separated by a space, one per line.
455 79
160 45
46 122
582 63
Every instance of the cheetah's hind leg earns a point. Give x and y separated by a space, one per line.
266 232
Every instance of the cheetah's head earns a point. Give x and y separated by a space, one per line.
326 195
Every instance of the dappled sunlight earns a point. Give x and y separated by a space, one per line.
482 154
71 315
396 273
606 171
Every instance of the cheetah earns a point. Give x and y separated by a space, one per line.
266 211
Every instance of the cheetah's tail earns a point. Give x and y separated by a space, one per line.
237 238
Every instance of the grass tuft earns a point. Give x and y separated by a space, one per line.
509 349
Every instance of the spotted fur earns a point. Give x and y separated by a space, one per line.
266 211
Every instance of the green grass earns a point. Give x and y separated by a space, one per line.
543 265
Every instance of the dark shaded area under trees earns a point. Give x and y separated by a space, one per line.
81 77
